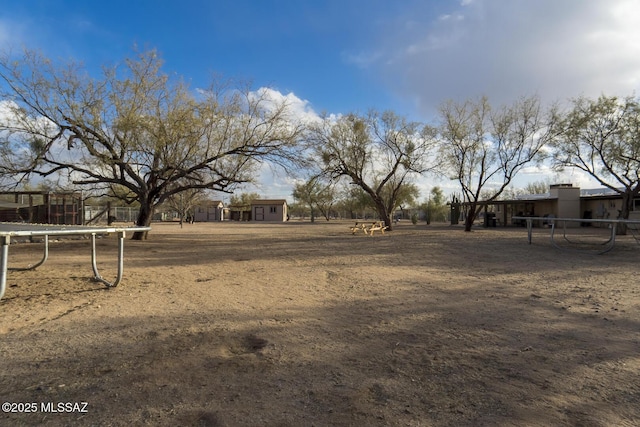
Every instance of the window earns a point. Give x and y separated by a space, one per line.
273 209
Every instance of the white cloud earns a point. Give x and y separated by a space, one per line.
543 172
272 182
508 49
299 109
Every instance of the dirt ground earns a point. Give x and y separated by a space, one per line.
300 324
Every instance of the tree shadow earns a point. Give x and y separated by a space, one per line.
459 339
389 360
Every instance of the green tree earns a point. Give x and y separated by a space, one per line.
306 193
135 132
318 194
353 200
602 138
380 153
484 148
436 207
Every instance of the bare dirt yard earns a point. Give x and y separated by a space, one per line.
300 324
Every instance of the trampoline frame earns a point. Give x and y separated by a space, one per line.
13 230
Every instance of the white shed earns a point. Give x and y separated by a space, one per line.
211 210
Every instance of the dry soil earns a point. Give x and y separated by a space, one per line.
301 324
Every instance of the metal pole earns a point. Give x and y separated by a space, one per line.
45 256
4 255
97 277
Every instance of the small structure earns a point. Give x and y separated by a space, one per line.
269 210
239 212
211 210
44 207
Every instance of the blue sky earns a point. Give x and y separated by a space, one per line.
339 56
304 47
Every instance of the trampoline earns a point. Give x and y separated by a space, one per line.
606 246
17 230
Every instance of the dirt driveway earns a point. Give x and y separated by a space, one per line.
299 324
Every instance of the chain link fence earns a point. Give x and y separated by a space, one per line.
100 214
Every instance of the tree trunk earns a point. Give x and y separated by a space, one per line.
470 217
627 203
144 220
384 216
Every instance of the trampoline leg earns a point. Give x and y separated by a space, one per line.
96 274
4 255
45 256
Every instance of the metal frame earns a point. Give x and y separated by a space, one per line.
552 222
9 230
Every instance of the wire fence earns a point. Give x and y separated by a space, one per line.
102 214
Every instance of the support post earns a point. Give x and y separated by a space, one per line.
96 274
4 255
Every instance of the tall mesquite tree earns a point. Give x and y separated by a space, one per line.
134 131
380 153
484 148
602 138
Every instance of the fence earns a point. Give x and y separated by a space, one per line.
101 214
43 207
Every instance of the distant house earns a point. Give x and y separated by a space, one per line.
562 201
211 210
269 210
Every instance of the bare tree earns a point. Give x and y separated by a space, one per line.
135 132
484 149
602 138
538 187
378 153
185 201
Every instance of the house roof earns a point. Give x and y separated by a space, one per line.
593 192
534 197
269 202
599 192
211 202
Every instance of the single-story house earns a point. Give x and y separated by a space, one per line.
562 201
211 210
269 210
